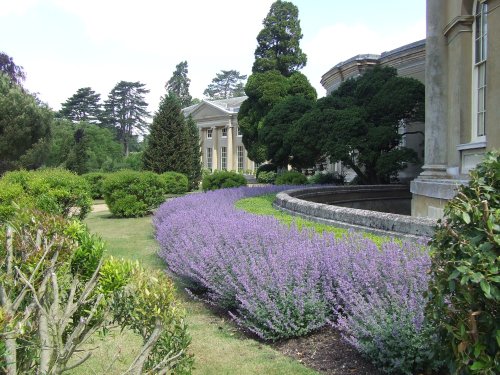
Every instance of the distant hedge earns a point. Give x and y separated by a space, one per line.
53 190
132 194
222 180
176 183
290 178
95 181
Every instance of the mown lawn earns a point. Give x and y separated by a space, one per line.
217 345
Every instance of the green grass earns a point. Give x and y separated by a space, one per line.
217 345
263 205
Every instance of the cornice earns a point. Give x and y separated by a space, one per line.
462 20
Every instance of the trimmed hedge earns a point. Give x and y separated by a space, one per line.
222 180
291 178
176 183
132 194
267 177
327 178
266 168
56 191
95 181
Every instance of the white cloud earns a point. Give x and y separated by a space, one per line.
16 7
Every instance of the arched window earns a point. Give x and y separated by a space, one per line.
480 49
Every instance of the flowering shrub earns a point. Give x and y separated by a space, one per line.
281 282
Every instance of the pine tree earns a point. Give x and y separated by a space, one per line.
278 42
226 84
178 84
82 106
168 146
126 110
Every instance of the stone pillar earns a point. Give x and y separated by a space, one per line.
203 149
215 149
230 148
436 116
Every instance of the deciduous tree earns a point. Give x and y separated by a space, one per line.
8 67
226 84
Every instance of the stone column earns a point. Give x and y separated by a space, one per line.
203 149
230 148
436 116
215 149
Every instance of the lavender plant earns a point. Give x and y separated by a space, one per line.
280 282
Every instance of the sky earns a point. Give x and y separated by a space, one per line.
64 45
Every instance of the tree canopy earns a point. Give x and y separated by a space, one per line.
264 91
278 42
14 72
82 106
226 84
126 110
173 144
358 124
178 84
24 128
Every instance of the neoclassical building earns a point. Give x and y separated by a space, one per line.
221 140
462 81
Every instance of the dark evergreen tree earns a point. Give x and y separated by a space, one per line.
78 157
14 72
226 84
172 142
126 110
82 106
278 42
178 84
195 167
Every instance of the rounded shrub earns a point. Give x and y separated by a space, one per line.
327 178
95 181
465 291
222 180
176 183
132 194
291 178
266 177
56 191
269 167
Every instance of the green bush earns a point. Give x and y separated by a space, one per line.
95 181
267 177
177 183
56 191
62 277
291 178
222 180
327 178
266 168
465 291
132 193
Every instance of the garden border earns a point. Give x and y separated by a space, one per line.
379 223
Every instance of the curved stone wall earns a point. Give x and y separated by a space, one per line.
321 204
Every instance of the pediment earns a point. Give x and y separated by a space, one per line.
206 111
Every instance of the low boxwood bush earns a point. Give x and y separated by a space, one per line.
465 291
290 178
176 183
133 193
222 180
327 178
267 177
56 191
95 181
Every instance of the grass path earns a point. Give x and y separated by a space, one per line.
216 344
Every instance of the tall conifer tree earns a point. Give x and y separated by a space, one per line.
178 84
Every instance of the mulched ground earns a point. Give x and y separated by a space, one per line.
326 352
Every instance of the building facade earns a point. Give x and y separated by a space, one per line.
409 61
462 80
221 140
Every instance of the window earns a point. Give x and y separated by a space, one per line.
479 78
209 158
223 158
239 132
224 132
209 133
240 158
